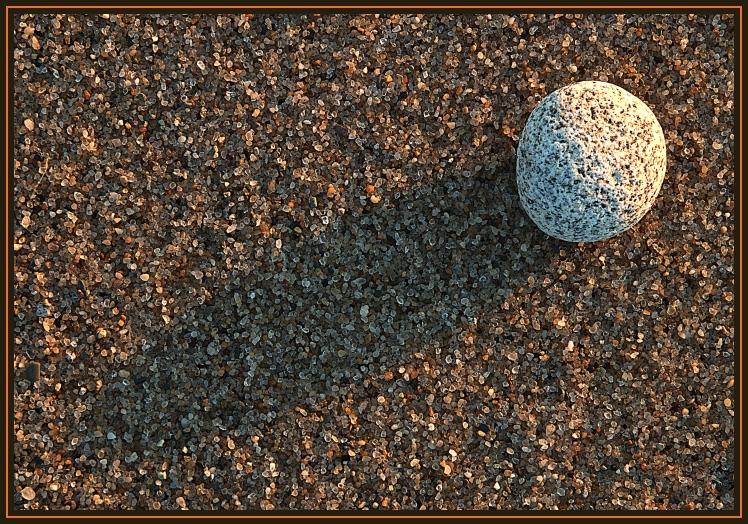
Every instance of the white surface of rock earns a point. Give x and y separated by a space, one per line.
590 162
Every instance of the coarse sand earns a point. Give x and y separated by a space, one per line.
279 262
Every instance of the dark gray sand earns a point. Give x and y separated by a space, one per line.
279 262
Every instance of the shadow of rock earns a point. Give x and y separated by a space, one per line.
361 297
331 310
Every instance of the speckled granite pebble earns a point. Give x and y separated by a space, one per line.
590 162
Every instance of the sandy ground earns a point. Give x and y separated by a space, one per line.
279 262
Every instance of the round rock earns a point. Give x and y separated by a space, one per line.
590 162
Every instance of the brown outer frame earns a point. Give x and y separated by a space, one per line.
739 340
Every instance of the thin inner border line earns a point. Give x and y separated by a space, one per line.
9 12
